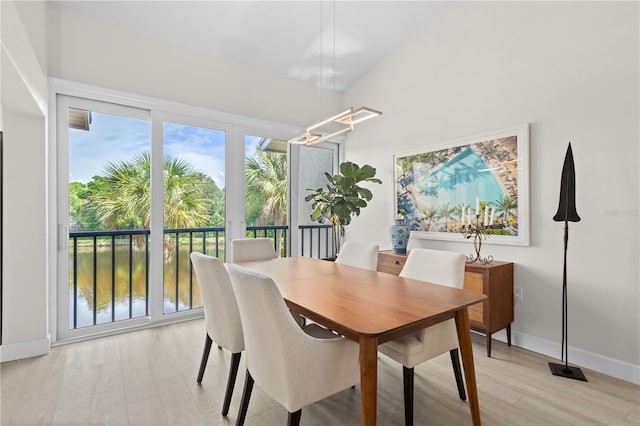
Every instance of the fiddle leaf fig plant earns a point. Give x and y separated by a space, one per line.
343 197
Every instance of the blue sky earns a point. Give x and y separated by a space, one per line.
202 148
114 139
111 138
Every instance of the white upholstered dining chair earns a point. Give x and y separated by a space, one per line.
360 255
438 267
253 249
222 318
294 366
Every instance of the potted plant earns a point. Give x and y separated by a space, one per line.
343 197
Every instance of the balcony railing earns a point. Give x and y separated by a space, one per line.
109 270
316 241
179 294
276 233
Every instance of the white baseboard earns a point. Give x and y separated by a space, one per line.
31 348
577 357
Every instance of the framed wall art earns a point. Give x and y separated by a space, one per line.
438 189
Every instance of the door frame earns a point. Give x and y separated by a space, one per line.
63 102
295 193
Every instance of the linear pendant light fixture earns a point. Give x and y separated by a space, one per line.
343 121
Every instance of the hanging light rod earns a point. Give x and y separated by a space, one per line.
347 118
359 115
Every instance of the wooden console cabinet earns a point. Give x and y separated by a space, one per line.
495 280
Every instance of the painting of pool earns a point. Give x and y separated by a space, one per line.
433 188
460 180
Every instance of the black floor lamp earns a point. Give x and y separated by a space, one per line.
566 213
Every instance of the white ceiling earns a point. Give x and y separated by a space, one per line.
291 38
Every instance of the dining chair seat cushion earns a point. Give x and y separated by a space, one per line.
423 345
319 332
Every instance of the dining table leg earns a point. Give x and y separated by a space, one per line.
466 352
369 378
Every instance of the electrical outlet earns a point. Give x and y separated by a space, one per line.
517 294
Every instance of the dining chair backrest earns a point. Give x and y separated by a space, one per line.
266 320
435 266
360 255
222 317
247 249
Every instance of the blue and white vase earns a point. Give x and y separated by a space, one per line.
399 236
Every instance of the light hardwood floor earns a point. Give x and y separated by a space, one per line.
149 378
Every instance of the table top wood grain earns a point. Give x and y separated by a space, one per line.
356 302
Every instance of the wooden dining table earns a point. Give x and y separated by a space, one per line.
371 308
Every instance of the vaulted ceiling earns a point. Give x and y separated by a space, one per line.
330 44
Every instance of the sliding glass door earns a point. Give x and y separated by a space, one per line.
104 208
139 189
194 207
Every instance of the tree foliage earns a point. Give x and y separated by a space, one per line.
266 190
120 198
213 199
266 187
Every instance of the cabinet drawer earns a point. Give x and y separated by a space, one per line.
391 263
474 281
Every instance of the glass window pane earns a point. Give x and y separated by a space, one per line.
109 192
194 207
266 190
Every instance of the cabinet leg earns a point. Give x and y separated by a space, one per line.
489 345
509 334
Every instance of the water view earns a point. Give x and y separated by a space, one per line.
451 183
128 299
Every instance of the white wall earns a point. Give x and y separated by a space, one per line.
570 69
24 239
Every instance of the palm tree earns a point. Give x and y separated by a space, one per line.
505 204
445 212
266 188
124 197
430 213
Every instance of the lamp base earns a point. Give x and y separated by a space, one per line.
568 372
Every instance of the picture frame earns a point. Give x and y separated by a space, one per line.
482 174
